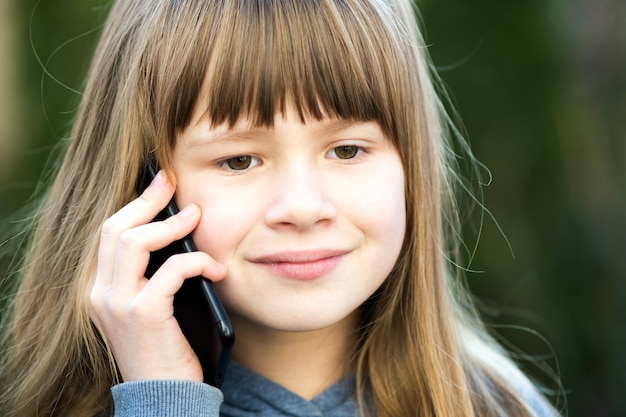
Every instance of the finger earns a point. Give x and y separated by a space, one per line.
150 202
140 211
160 289
136 244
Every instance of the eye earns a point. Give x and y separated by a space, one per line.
240 163
345 151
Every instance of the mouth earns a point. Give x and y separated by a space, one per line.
301 265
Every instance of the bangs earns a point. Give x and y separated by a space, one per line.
326 59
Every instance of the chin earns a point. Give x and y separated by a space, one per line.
346 320
301 321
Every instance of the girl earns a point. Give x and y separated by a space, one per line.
307 148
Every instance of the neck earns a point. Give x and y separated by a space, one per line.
306 363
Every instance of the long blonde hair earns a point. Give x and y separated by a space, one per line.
422 349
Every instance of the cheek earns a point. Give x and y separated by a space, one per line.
390 222
223 225
380 207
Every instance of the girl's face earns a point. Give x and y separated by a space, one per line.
308 218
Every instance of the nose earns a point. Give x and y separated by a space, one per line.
301 198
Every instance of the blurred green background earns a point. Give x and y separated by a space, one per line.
541 88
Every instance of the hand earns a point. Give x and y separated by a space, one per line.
135 315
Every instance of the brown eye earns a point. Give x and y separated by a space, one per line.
346 151
240 163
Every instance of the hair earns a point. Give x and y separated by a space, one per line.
422 350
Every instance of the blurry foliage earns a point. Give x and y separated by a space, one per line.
53 48
540 86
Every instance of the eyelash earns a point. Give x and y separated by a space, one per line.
255 161
359 151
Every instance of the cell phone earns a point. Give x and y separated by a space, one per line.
197 307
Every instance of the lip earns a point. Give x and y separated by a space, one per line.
301 265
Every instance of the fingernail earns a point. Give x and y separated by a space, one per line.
160 179
189 211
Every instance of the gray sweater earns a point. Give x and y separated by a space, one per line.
244 394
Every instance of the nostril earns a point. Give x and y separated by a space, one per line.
301 208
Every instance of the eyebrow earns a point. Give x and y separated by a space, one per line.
224 136
326 127
337 125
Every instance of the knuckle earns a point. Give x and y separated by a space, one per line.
178 224
110 310
97 302
109 227
95 297
145 199
149 201
130 238
106 303
98 297
170 225
185 264
177 262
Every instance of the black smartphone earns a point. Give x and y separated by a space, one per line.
197 307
